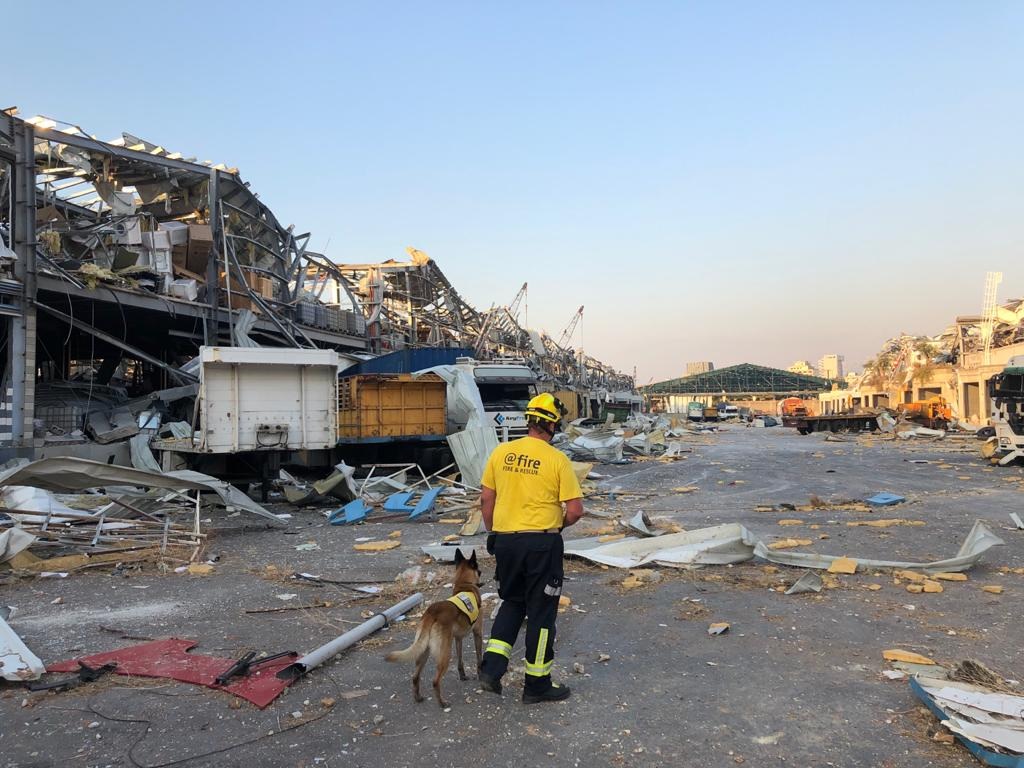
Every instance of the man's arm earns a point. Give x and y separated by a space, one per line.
487 498
573 511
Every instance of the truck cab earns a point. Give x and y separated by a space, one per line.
506 386
1006 391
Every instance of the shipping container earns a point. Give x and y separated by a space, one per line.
391 407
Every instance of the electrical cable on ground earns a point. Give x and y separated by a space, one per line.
130 754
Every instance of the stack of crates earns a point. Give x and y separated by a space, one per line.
334 319
305 313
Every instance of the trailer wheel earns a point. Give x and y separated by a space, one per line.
804 430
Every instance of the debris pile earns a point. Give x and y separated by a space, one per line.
982 710
640 436
63 514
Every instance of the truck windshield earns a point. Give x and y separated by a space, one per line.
506 397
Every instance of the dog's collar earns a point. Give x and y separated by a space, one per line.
467 603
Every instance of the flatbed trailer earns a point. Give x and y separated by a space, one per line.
859 422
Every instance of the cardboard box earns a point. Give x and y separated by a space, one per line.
184 289
239 296
265 287
200 244
177 231
160 260
158 240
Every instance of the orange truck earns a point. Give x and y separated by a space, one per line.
934 412
792 410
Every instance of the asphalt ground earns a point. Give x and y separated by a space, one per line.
795 681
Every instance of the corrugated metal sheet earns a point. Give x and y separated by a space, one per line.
410 360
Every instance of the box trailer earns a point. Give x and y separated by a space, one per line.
258 407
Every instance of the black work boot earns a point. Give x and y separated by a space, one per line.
488 683
554 692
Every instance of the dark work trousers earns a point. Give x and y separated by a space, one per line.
529 575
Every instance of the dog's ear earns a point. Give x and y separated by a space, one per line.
472 560
458 556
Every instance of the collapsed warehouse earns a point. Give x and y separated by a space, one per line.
121 259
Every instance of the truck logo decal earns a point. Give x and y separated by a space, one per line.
499 419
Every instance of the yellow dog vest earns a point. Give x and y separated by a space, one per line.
466 602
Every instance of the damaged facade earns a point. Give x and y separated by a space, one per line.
120 259
956 365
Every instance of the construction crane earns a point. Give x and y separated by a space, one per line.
988 314
567 333
493 318
513 308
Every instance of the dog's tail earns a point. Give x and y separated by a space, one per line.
419 644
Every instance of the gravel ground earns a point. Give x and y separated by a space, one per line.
795 681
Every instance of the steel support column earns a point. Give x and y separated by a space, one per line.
22 346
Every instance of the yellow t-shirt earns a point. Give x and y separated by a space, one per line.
531 479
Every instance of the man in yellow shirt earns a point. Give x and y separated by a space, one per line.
525 483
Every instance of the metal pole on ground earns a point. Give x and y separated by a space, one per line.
315 658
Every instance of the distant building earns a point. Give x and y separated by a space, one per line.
831 367
747 386
703 366
803 368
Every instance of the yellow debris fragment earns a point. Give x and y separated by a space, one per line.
452 537
873 587
916 589
564 601
843 565
789 543
790 521
908 657
611 537
885 523
950 576
718 628
200 569
932 587
631 582
452 520
395 535
911 575
376 546
992 589
685 489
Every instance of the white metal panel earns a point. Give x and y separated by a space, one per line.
268 355
245 389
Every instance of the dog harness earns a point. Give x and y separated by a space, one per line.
466 602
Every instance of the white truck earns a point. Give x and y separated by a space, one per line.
1006 392
505 385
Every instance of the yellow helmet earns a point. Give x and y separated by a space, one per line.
546 407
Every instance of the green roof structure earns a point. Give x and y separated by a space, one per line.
743 379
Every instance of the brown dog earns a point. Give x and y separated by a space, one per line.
445 621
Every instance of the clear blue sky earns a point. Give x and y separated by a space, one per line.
728 181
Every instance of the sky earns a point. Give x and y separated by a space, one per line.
734 182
